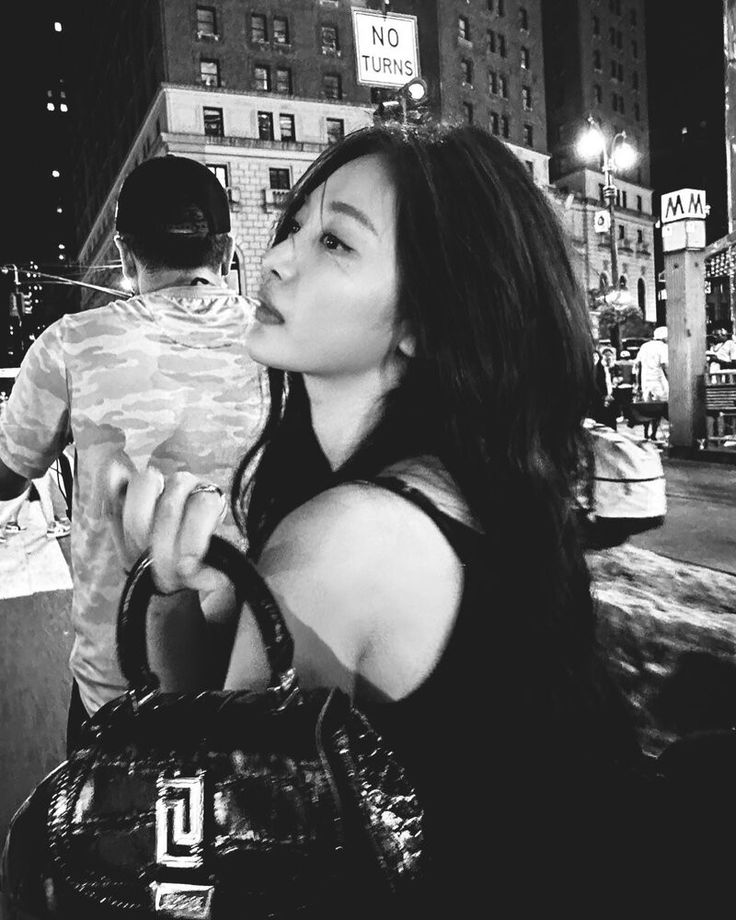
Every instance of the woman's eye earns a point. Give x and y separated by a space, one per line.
330 241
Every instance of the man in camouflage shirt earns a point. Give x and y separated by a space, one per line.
161 379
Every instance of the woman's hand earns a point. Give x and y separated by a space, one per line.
173 518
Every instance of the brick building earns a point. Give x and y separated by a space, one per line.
257 90
595 65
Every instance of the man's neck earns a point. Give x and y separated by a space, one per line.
150 281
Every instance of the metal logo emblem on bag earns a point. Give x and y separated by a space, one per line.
180 821
185 902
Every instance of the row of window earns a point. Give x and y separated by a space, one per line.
279 177
278 79
463 23
617 102
622 201
616 69
615 7
615 38
498 124
498 84
260 33
214 126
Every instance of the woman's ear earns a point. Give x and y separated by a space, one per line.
407 345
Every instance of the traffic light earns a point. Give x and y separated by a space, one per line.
404 104
16 306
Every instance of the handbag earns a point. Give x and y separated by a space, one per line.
280 803
628 486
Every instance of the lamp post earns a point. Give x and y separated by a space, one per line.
617 155
412 93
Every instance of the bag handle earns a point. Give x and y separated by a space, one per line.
250 589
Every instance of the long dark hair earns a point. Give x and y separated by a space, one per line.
501 378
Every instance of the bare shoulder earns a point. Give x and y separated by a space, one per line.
371 578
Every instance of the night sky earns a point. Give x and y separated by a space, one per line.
685 58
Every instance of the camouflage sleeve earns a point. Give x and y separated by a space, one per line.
35 425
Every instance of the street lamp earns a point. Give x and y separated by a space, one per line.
413 93
618 155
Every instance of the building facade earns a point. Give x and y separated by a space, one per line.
595 66
257 90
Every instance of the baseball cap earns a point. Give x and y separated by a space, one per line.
172 195
660 333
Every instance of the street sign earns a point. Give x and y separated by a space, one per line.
601 221
685 204
386 48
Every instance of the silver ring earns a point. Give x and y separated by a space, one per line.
207 487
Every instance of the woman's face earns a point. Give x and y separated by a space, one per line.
330 288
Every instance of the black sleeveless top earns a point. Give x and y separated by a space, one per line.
518 782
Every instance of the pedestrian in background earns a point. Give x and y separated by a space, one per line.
605 409
161 379
652 369
411 505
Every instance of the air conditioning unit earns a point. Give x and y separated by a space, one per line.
233 195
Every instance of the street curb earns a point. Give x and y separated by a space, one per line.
721 457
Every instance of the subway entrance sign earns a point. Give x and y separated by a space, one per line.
386 48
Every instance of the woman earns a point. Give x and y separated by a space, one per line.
421 322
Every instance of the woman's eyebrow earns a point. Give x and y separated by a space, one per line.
342 207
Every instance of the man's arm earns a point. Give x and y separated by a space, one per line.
12 484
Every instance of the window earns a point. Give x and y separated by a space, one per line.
265 126
614 70
491 5
624 199
635 50
206 21
637 111
280 30
283 81
286 128
329 40
526 98
612 35
492 82
529 135
492 41
635 79
619 40
596 59
262 77
332 86
501 7
502 45
524 58
463 28
639 236
632 16
468 113
466 72
503 86
494 123
209 73
279 178
213 124
258 28
620 71
220 173
596 26
638 203
335 130
641 295
530 167
597 93
523 18
505 125
614 101
621 231
600 191
621 107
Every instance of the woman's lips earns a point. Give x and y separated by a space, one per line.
267 314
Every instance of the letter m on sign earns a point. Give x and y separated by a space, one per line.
674 207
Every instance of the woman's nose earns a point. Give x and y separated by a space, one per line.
279 260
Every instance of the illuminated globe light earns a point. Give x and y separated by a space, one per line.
50 106
55 173
623 156
57 27
416 90
591 143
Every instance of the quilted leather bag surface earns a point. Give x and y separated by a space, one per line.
273 804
